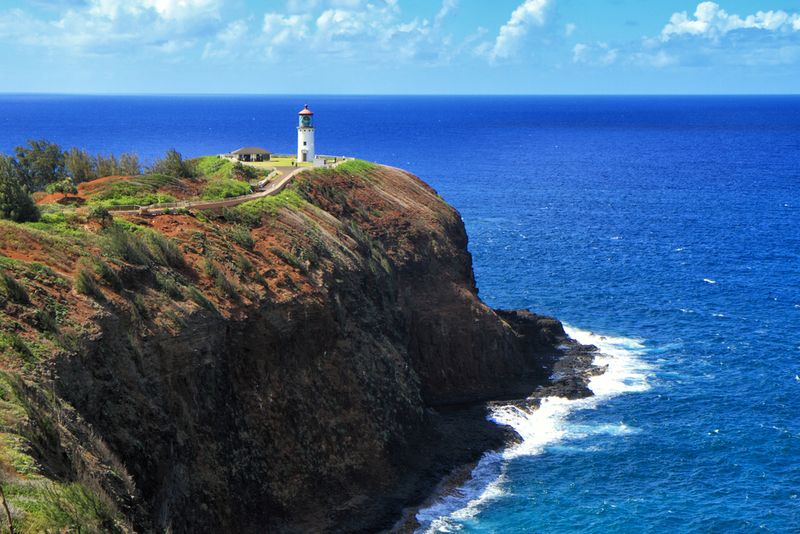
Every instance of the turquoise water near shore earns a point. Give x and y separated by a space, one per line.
664 229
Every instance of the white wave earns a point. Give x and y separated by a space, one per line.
544 426
709 281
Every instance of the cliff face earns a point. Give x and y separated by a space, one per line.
311 385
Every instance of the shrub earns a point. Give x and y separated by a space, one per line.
244 172
289 258
16 344
127 246
240 234
201 299
220 280
225 188
65 186
169 286
108 275
100 214
85 284
16 292
164 250
140 306
46 320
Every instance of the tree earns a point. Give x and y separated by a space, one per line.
79 165
106 166
15 203
129 164
39 164
173 165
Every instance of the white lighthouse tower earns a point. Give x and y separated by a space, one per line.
305 136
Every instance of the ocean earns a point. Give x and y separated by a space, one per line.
665 230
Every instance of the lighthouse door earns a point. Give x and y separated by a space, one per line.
305 156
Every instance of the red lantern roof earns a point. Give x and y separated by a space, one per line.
306 111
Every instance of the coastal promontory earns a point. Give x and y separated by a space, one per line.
313 360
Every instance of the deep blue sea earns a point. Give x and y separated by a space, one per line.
664 229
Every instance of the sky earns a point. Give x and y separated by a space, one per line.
400 46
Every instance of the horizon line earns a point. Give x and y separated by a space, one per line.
328 95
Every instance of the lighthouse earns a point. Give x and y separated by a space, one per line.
305 135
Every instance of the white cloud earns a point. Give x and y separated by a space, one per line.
713 22
115 26
597 54
512 33
448 6
569 29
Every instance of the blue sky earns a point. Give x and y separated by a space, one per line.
400 46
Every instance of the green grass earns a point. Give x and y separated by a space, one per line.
144 199
141 246
240 234
221 188
141 191
251 213
213 166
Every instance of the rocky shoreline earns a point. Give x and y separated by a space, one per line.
571 368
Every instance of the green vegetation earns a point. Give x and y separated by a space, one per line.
65 186
15 291
356 167
85 284
220 280
100 214
83 167
139 191
169 285
251 213
13 345
240 234
107 275
225 188
201 299
39 164
213 166
38 504
289 258
15 203
141 246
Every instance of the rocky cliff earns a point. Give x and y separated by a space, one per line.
309 362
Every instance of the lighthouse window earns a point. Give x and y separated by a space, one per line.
305 143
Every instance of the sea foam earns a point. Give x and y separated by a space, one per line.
544 426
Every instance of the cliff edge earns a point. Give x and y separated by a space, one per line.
313 361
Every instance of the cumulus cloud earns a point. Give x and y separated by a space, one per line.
713 22
709 36
512 33
111 26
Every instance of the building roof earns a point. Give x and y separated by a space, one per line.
306 111
249 150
